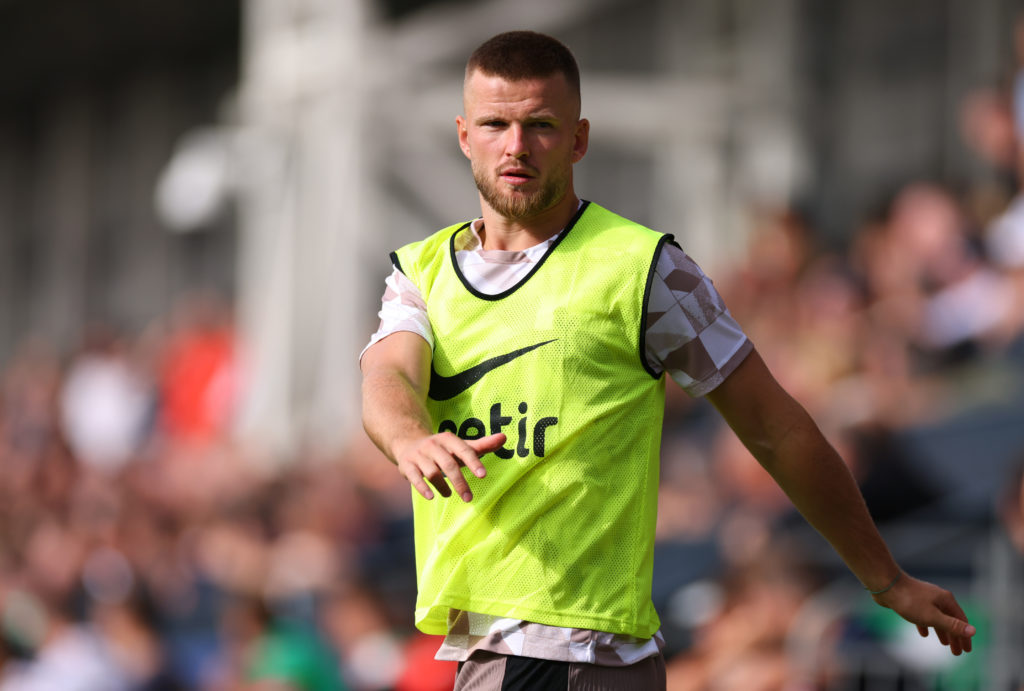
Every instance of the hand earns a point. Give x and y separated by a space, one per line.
928 605
441 456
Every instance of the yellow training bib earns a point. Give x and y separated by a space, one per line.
561 531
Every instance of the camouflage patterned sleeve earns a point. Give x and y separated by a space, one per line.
690 334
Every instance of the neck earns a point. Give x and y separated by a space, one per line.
501 233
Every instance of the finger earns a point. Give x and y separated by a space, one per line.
458 482
960 627
472 449
428 466
956 627
417 482
923 630
437 480
958 635
487 444
465 456
450 465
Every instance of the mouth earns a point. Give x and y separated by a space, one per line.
516 176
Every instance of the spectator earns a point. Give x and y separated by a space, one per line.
104 403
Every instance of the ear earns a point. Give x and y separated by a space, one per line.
463 129
581 140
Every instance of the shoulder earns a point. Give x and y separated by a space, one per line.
673 262
593 215
602 231
410 259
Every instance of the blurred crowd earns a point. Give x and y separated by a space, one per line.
916 325
142 549
913 329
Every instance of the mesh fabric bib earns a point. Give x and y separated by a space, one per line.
561 531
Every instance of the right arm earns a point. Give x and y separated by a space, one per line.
396 375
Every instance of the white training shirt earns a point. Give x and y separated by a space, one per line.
690 336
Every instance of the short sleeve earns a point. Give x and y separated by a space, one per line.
690 334
402 308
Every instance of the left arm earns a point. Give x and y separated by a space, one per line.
788 444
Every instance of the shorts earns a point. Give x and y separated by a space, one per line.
486 671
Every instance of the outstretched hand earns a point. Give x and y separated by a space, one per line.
929 606
440 456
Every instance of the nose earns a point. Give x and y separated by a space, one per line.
515 143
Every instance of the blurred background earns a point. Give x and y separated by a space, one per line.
197 200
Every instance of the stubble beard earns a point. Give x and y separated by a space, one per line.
517 205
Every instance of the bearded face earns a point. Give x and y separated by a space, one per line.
522 138
517 202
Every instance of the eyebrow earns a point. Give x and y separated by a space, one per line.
533 117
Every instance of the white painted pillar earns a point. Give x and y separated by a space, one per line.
302 214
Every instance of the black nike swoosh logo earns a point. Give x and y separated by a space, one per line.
442 388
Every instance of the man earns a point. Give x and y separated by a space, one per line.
540 333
